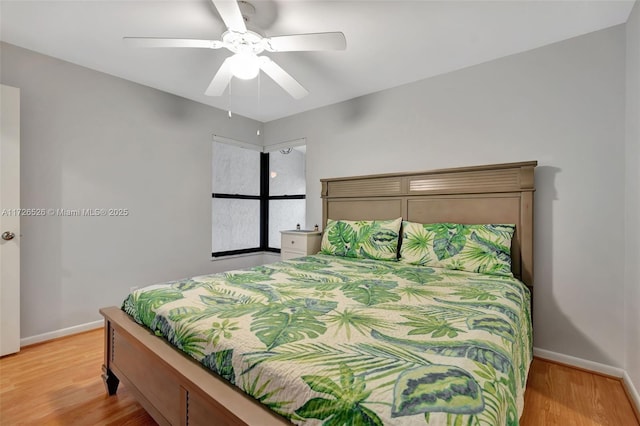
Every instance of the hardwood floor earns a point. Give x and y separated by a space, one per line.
58 383
560 395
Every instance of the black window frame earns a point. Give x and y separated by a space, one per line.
264 199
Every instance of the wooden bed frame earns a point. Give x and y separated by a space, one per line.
177 390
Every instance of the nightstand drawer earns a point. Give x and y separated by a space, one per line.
294 242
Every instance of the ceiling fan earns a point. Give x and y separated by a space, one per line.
246 45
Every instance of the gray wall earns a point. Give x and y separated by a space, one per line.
563 105
632 220
90 140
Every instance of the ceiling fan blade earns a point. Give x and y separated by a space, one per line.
281 77
230 13
220 80
306 42
172 42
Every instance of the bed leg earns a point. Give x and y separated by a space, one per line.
111 382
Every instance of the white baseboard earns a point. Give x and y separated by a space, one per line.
579 362
632 391
595 367
61 333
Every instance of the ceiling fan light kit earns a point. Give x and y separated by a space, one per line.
246 45
245 66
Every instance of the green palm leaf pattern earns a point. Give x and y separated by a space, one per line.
245 277
345 404
476 248
449 240
493 325
374 238
264 392
439 388
490 257
184 285
389 360
371 292
498 396
221 330
368 266
436 327
141 305
359 320
225 303
343 239
253 282
362 239
489 249
291 321
417 275
334 340
475 293
475 350
222 364
417 293
307 263
416 241
180 335
320 280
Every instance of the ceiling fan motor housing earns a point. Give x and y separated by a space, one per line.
248 42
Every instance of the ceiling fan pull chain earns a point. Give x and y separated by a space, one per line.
229 98
259 97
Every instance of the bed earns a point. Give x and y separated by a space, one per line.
343 337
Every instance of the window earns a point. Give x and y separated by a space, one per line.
287 188
255 196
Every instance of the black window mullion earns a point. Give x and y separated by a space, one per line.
234 252
236 196
264 200
287 197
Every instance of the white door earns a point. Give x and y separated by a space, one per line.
9 220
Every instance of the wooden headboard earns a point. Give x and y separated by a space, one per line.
497 193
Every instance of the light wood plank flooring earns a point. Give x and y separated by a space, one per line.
58 383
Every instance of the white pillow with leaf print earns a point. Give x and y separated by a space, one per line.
484 249
365 239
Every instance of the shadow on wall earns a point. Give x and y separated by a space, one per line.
355 110
547 314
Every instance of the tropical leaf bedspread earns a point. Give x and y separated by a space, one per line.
336 341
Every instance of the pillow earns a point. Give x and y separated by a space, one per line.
367 239
484 249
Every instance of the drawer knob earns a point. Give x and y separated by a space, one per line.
293 242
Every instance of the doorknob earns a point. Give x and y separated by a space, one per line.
8 235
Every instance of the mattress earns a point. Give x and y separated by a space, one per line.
330 340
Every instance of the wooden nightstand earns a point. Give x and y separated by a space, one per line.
299 243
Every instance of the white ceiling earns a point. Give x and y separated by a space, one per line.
389 43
